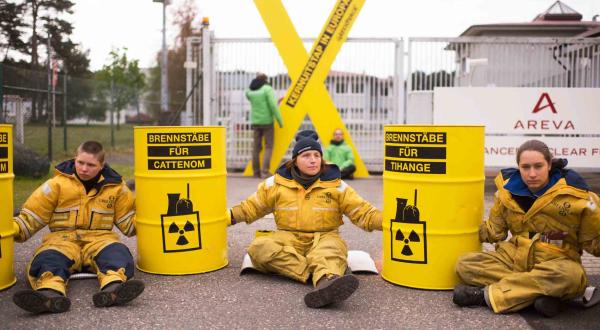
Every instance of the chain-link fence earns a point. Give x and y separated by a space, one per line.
61 105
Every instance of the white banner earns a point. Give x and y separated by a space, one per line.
567 119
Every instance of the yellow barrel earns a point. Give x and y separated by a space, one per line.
433 184
7 276
180 179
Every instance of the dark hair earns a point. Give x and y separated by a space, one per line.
92 147
535 145
261 76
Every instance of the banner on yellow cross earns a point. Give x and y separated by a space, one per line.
307 93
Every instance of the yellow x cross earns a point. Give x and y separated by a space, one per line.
307 93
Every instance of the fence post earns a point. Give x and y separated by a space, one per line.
112 111
1 94
206 74
48 114
64 118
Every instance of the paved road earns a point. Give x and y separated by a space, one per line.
223 299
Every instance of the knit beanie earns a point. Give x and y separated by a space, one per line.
306 140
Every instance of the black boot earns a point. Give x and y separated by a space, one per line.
331 289
467 295
118 293
547 306
42 301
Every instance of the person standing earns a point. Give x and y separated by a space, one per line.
263 108
340 153
80 205
551 216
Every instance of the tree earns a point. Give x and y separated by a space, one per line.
11 27
121 81
46 17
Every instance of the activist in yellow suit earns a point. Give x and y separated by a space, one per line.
551 216
308 199
80 205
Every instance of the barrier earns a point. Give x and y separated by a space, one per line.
181 194
7 276
433 186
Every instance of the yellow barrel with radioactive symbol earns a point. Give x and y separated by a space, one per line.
180 179
7 276
433 183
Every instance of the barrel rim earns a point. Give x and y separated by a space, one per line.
142 128
431 125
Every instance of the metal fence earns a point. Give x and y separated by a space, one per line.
496 62
363 84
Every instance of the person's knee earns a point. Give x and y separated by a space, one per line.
51 261
465 267
113 257
263 249
565 277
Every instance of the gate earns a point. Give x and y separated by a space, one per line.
364 83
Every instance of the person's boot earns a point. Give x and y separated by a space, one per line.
118 293
331 289
468 295
42 301
547 306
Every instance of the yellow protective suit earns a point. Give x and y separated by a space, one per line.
307 241
80 224
529 265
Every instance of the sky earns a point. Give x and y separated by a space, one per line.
103 25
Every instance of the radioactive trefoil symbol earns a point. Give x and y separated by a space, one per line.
408 233
180 225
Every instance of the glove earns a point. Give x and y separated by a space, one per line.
16 228
232 220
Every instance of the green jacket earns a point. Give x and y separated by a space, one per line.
341 155
264 106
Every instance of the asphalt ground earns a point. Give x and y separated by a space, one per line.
224 299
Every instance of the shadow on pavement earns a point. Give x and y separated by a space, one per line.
572 317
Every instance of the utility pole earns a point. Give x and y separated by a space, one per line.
64 117
164 81
1 95
48 114
112 111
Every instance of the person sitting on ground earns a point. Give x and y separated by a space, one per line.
340 153
80 205
552 216
307 198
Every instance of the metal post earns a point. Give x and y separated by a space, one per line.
399 82
206 74
1 94
64 117
53 98
164 94
19 129
112 111
48 115
189 65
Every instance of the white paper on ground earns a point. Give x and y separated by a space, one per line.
358 261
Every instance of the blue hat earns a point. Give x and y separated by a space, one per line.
306 140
